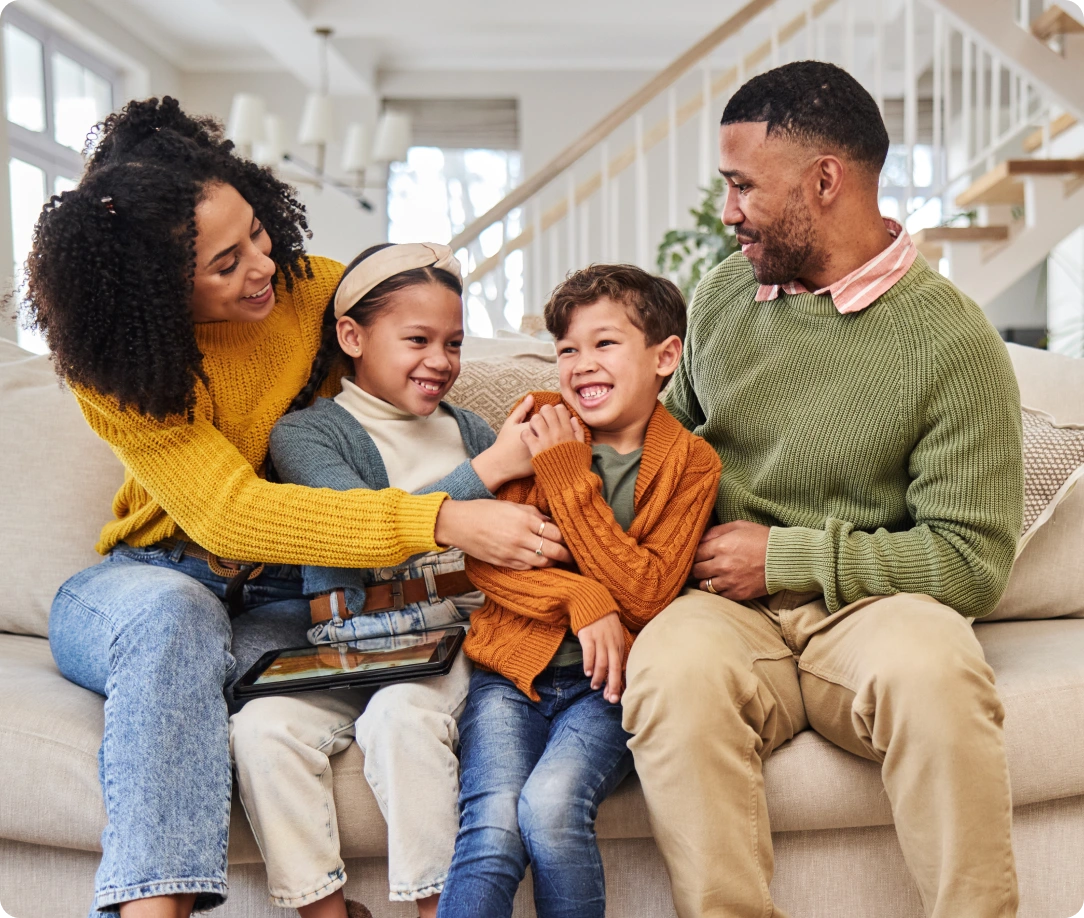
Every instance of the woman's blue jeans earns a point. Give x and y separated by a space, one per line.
147 628
532 777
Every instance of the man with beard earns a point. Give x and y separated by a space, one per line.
868 422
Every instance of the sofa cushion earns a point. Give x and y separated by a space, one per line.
59 485
491 386
50 727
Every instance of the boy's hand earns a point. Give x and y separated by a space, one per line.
550 426
603 644
508 458
730 560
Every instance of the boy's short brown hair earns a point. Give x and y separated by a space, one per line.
654 304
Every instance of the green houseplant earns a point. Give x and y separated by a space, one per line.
686 255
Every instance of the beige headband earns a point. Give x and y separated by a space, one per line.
395 259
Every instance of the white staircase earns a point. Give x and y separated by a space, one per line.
984 100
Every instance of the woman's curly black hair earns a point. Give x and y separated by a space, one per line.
364 312
109 275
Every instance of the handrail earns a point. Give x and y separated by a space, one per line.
655 135
574 151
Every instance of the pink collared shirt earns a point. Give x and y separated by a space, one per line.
864 284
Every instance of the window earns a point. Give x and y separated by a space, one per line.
56 93
466 159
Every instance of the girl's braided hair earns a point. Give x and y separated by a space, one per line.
110 271
364 312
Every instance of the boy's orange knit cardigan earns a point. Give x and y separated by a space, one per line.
636 574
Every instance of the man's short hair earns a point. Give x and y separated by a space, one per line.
654 304
818 104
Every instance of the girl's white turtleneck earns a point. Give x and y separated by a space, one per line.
417 451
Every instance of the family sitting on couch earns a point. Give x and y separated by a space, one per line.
848 419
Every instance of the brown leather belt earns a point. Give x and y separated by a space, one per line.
389 596
221 566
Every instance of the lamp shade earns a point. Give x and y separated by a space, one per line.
246 119
316 120
393 137
272 148
356 148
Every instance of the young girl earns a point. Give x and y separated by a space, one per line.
397 314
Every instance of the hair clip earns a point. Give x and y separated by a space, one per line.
108 202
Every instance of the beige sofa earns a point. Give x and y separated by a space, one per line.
836 853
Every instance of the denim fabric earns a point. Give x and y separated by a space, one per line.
147 629
418 616
532 777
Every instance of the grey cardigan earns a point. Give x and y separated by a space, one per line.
324 446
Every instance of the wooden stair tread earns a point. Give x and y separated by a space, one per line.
1059 125
935 234
1000 185
1053 22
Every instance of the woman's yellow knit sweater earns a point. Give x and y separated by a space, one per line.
635 574
204 478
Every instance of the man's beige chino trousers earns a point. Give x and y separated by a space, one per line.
714 686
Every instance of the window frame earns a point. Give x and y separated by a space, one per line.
40 148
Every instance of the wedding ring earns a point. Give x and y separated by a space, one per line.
709 587
541 529
538 551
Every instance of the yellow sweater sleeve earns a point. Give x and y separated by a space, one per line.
207 487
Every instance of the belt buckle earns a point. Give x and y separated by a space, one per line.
397 599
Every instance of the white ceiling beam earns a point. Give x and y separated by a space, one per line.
287 34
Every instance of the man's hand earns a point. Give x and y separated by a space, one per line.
603 644
550 426
732 557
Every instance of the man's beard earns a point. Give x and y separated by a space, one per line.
786 247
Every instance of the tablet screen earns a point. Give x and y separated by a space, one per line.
353 657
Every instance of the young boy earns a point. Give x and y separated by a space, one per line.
541 743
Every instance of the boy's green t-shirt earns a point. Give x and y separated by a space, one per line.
618 472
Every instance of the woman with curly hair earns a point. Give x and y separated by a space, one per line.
181 309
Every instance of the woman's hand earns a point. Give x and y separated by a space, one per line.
603 644
501 533
550 426
508 458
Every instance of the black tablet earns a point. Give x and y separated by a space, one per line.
352 664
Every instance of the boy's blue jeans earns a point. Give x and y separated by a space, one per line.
147 629
532 777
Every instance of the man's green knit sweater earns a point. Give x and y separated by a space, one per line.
883 447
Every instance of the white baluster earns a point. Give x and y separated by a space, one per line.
848 35
938 90
641 194
980 100
555 257
570 220
585 235
536 258
707 140
810 35
995 101
910 95
615 220
967 78
671 158
604 202
879 56
774 14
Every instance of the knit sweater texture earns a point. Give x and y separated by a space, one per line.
205 477
636 573
882 447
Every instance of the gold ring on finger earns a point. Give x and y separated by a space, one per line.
538 551
541 529
709 587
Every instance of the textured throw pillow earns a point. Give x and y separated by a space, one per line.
1047 580
491 387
